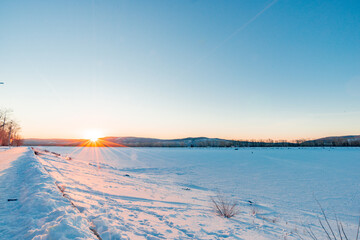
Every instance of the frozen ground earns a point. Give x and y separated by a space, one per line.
164 193
31 207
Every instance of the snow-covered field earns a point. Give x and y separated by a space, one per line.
165 193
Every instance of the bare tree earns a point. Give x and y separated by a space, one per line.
9 130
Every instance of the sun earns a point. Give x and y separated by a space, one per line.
93 135
93 139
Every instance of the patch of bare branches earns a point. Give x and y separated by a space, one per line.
330 231
225 207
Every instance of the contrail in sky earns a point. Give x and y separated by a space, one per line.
240 29
246 24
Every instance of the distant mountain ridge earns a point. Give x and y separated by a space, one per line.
182 142
52 142
351 140
350 137
133 142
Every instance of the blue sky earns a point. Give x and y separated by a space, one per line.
231 69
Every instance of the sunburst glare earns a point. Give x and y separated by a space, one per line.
93 135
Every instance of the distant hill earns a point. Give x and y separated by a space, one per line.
183 142
135 142
53 142
353 140
350 140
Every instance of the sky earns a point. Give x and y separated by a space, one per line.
244 69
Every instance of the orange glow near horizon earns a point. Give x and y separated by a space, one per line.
99 148
99 142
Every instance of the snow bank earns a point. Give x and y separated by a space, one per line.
40 211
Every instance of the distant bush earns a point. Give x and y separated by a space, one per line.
225 207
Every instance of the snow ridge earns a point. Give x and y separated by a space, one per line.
40 211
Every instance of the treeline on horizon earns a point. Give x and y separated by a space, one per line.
252 143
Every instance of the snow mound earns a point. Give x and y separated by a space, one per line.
37 209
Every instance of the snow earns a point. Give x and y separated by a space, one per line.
165 193
40 212
6 159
